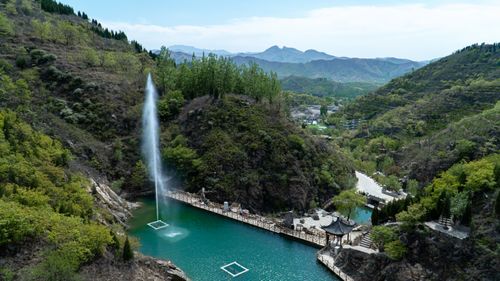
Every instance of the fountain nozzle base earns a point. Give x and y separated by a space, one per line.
156 225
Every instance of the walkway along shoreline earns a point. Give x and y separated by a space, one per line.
318 241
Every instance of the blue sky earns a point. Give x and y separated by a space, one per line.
359 28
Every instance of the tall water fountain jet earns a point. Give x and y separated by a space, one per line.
151 148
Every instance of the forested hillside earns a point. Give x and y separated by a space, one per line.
243 152
225 129
79 83
322 87
424 122
435 134
40 201
337 69
80 87
70 94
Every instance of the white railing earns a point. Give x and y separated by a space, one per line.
330 263
254 220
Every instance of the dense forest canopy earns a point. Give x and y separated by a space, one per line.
215 76
422 123
40 201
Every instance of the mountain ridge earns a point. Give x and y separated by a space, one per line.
277 54
313 64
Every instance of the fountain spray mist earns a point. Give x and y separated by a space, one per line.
150 142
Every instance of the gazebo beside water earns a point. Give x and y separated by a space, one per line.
338 228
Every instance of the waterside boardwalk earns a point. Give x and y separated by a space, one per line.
329 261
269 224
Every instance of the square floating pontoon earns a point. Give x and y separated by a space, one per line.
234 269
159 224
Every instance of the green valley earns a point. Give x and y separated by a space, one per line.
124 161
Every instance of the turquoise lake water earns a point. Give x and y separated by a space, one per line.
363 215
200 243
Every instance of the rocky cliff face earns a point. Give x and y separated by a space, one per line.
118 208
142 268
430 256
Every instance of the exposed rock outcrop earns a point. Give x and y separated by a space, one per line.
107 199
430 256
142 268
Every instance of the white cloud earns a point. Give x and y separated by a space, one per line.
414 31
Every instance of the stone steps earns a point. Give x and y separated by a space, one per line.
445 221
366 241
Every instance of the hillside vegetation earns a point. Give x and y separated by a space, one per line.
243 152
435 134
337 69
83 84
424 122
322 87
70 93
40 201
78 82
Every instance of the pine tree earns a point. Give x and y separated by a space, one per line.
497 205
467 216
375 216
116 242
128 254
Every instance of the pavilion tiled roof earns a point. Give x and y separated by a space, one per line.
339 227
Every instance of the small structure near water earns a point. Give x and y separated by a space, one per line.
338 229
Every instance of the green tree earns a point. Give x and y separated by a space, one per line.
323 110
497 205
128 63
41 29
480 175
26 7
465 148
382 235
392 183
375 216
6 27
412 187
347 202
10 7
170 104
67 33
109 61
459 204
395 250
57 266
139 175
412 216
128 253
167 71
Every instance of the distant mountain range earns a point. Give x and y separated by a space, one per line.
288 55
311 63
197 52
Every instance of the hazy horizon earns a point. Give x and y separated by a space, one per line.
417 30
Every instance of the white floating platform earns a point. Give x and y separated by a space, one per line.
234 269
159 224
